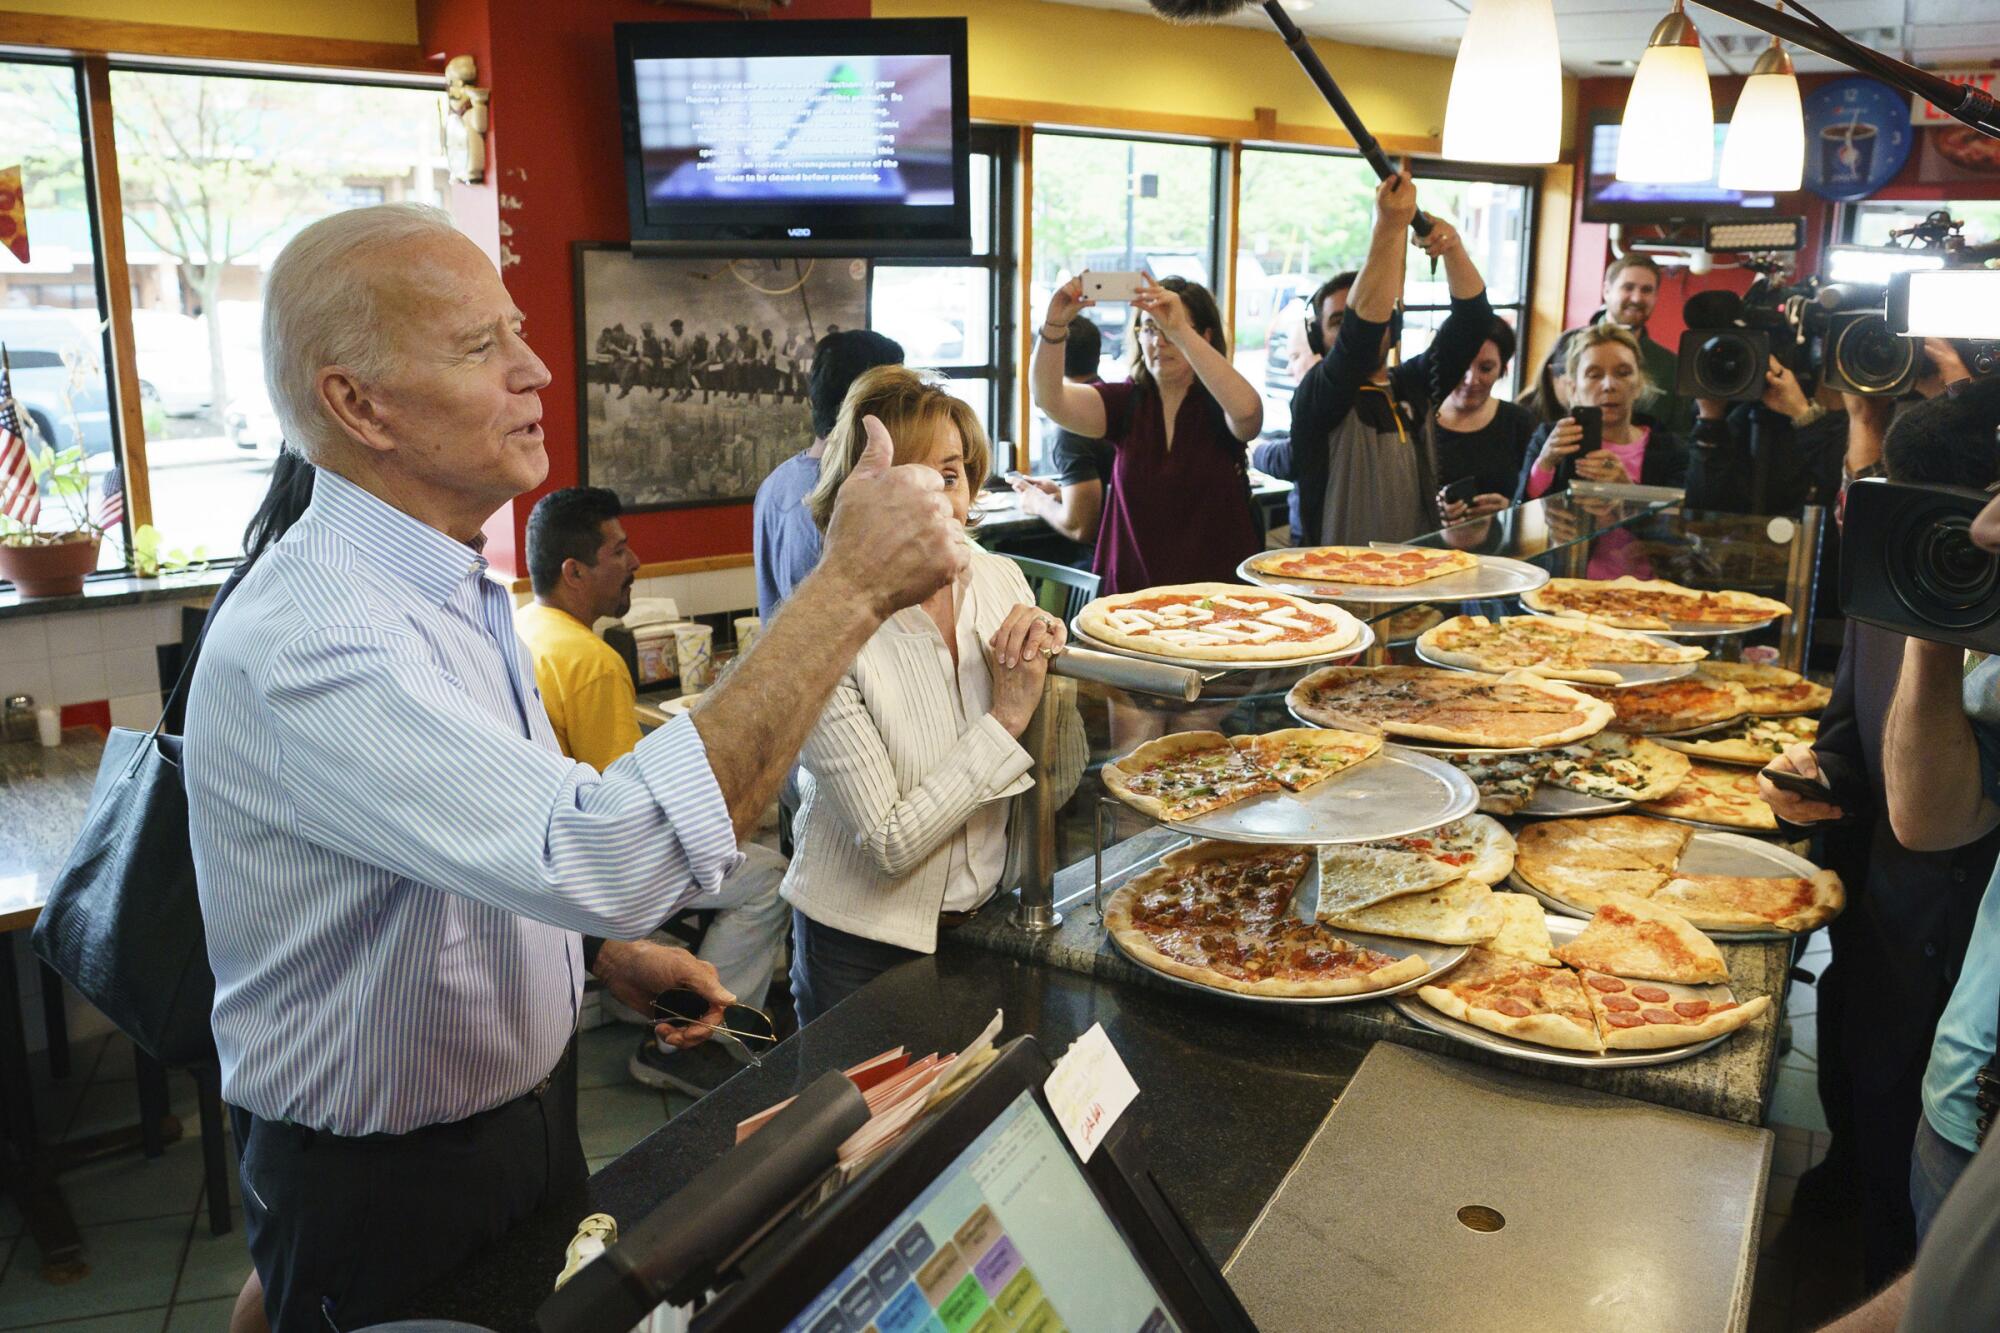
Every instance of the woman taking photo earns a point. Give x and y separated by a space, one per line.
903 826
1178 508
1482 439
1605 372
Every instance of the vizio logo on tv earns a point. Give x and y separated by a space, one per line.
798 231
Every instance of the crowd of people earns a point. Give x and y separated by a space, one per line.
361 664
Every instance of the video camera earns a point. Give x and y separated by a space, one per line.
1907 564
1853 337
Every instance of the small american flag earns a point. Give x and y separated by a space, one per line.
20 496
111 506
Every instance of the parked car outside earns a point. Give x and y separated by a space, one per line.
35 340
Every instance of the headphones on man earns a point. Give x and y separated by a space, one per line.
1316 338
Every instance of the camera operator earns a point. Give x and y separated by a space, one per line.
1796 435
1942 759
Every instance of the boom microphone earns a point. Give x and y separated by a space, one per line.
1210 11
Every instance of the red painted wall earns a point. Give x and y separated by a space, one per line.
1590 244
557 175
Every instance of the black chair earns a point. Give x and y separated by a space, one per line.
1059 589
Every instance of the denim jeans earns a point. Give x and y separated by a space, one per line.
1936 1163
829 965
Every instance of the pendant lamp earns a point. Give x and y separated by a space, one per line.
1506 87
1766 147
1668 134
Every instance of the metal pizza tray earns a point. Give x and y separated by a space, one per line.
1398 792
1359 645
1440 958
1561 803
1679 629
1640 674
1562 929
1496 576
1709 852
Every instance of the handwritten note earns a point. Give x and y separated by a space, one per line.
1089 1089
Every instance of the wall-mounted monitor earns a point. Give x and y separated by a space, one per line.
1608 199
808 137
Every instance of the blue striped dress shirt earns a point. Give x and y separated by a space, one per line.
394 857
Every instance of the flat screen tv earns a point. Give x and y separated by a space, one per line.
800 138
1608 199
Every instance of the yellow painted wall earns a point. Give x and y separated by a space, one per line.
1135 62
355 20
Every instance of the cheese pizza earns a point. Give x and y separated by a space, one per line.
1635 937
1712 794
1633 603
1393 567
1672 705
1219 622
1461 912
1521 710
1770 691
1552 646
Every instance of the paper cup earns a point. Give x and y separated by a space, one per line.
696 646
748 628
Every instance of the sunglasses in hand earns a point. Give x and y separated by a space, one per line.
683 1008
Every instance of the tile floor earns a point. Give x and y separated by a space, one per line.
156 1269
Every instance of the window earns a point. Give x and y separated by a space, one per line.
1305 216
218 172
1871 221
950 313
1119 205
51 318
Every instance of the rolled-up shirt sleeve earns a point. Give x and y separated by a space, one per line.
432 788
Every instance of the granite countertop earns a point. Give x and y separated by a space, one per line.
46 793
1733 1081
1228 1101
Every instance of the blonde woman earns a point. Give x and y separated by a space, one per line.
904 825
1605 370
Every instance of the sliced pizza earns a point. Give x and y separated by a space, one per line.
1187 774
1219 622
1302 757
1712 794
1351 877
1754 902
1461 912
1672 705
1506 782
1653 1015
1478 845
1617 767
1637 938
1524 929
1365 566
1521 710
1567 649
1755 741
1516 998
1770 691
1634 603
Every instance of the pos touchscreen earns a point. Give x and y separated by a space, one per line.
986 1219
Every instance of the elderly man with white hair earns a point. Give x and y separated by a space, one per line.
397 864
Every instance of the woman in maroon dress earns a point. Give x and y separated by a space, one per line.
1179 508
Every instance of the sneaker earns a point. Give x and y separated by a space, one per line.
696 1072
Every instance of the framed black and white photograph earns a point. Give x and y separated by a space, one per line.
693 383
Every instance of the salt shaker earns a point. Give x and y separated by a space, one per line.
49 724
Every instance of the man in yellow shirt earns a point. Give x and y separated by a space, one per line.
582 571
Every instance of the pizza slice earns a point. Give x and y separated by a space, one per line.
1714 795
1364 565
1524 929
1572 843
1360 876
1755 741
1302 757
1617 767
1637 938
1590 887
1506 782
1672 705
1771 691
1460 912
1652 1015
1656 842
1478 845
1752 902
1516 998
1186 774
